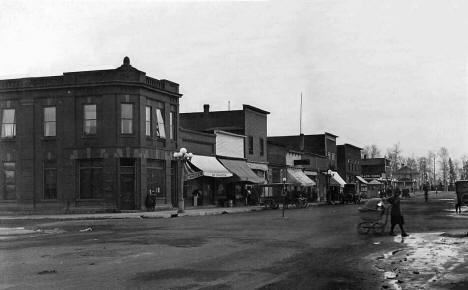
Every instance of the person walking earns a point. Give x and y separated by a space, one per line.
426 192
396 217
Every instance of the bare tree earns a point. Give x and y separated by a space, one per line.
452 173
444 165
411 163
464 167
394 155
431 158
424 169
371 151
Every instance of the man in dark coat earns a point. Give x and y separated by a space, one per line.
395 214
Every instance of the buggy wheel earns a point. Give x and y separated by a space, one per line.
365 227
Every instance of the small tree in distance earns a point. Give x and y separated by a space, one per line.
371 151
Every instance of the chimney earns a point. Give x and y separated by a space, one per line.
301 142
206 108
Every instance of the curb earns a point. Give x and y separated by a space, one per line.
136 215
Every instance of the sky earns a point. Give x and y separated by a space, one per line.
371 72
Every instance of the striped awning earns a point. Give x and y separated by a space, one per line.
361 179
295 175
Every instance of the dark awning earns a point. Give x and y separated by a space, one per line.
191 171
241 170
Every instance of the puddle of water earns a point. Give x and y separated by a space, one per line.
14 231
395 285
7 233
389 275
432 256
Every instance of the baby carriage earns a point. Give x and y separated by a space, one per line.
373 217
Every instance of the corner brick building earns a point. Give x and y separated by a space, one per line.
88 141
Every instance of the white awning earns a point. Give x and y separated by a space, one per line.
257 166
296 175
336 180
210 166
361 179
374 182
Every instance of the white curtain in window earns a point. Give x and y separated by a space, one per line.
161 131
8 123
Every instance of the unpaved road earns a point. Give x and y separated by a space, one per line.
313 248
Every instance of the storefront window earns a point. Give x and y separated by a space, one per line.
9 174
50 180
156 178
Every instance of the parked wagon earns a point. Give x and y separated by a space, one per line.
282 193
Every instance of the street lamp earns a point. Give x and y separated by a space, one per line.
182 157
328 194
284 193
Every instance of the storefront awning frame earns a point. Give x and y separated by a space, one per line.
210 166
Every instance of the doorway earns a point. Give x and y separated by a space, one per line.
127 184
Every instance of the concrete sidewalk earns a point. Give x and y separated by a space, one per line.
137 215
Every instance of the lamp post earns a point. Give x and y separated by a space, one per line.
284 193
328 194
182 157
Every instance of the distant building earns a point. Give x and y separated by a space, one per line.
375 168
289 165
88 141
320 144
349 162
250 122
318 154
406 178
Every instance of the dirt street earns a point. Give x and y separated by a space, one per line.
313 248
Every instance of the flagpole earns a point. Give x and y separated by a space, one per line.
300 118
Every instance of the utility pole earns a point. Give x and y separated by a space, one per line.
300 117
435 182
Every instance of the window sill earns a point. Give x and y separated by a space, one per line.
90 199
127 135
49 138
48 201
88 136
7 139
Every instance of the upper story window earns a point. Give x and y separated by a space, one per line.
262 147
49 122
250 144
148 121
89 126
160 131
8 123
172 122
126 118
